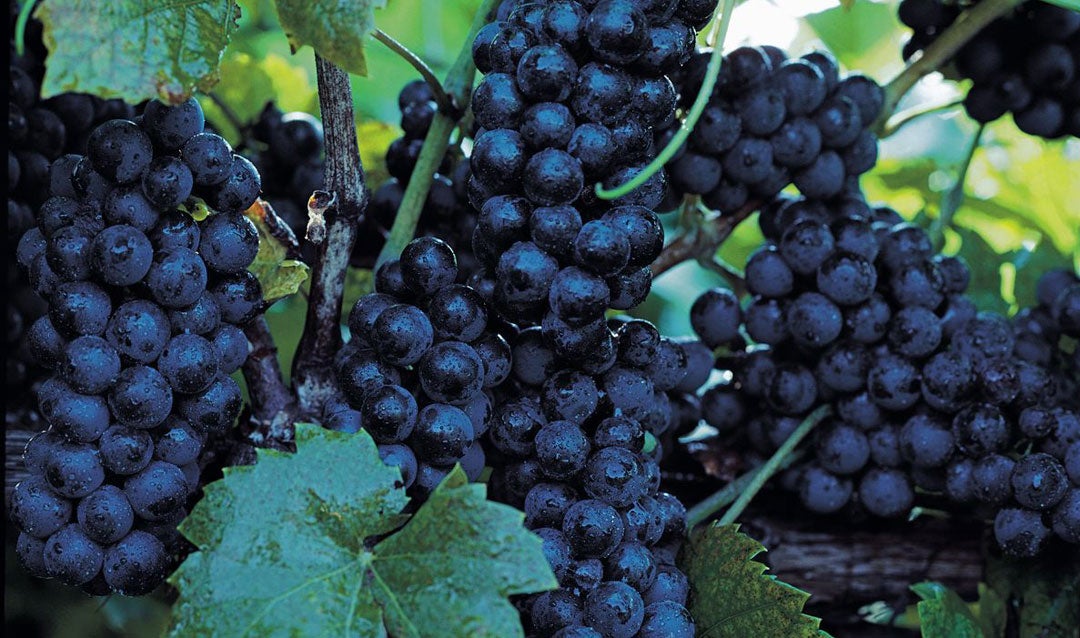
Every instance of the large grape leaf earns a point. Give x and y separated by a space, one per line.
290 546
135 50
943 614
730 594
336 30
275 265
1044 592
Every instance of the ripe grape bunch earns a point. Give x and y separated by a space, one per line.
39 131
852 309
417 371
570 96
1026 63
772 121
143 329
578 452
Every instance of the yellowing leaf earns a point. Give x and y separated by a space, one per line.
277 270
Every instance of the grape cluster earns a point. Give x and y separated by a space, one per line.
39 131
288 153
1026 63
772 121
142 332
446 213
578 452
418 369
571 95
850 307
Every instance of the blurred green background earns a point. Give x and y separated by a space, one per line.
1020 214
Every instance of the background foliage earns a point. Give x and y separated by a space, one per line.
1017 212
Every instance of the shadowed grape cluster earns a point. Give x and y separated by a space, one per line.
446 213
143 329
850 307
1026 63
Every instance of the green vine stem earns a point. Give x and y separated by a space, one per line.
445 102
700 102
458 85
20 25
942 50
954 197
720 499
774 464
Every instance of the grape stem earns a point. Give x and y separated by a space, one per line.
774 464
703 241
444 100
312 374
941 51
273 406
458 85
907 116
954 197
720 499
720 30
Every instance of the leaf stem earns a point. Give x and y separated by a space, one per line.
20 25
773 465
700 102
458 85
954 197
445 102
725 496
312 376
905 117
942 50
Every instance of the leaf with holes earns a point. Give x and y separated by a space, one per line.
730 594
314 544
135 50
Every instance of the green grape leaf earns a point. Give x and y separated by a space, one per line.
1044 592
135 50
730 594
992 614
278 270
467 549
943 614
291 546
984 263
336 30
